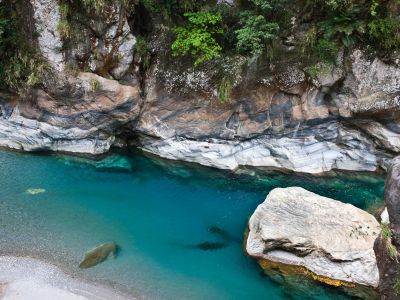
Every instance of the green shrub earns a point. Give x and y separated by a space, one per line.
385 33
225 89
320 68
21 67
344 27
172 9
142 49
396 286
263 5
64 29
95 85
198 38
256 33
326 51
387 236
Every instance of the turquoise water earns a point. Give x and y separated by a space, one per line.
162 215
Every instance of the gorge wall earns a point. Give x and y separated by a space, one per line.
387 245
346 117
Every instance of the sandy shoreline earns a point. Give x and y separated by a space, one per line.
32 279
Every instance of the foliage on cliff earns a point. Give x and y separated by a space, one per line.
21 67
198 37
315 31
325 27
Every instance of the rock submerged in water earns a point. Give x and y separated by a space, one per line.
35 191
329 240
98 255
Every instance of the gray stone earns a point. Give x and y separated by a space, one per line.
385 217
330 238
47 16
98 255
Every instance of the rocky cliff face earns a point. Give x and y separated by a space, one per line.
387 245
85 121
345 118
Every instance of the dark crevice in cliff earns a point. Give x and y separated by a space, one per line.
387 245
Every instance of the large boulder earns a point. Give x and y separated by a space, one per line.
327 239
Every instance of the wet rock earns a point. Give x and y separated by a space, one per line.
98 255
331 241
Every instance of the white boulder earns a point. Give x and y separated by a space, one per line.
331 239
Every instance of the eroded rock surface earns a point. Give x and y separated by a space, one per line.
46 14
387 245
346 117
83 121
286 120
331 239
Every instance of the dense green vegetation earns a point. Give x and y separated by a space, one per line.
327 26
200 31
21 67
198 37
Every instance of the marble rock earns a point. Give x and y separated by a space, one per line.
331 239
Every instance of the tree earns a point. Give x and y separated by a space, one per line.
255 33
198 37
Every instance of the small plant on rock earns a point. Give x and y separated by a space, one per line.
95 85
387 236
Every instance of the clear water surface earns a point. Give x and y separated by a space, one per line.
160 214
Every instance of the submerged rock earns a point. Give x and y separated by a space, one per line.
114 162
98 255
35 191
329 240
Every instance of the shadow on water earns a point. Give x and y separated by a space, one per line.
362 189
223 234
